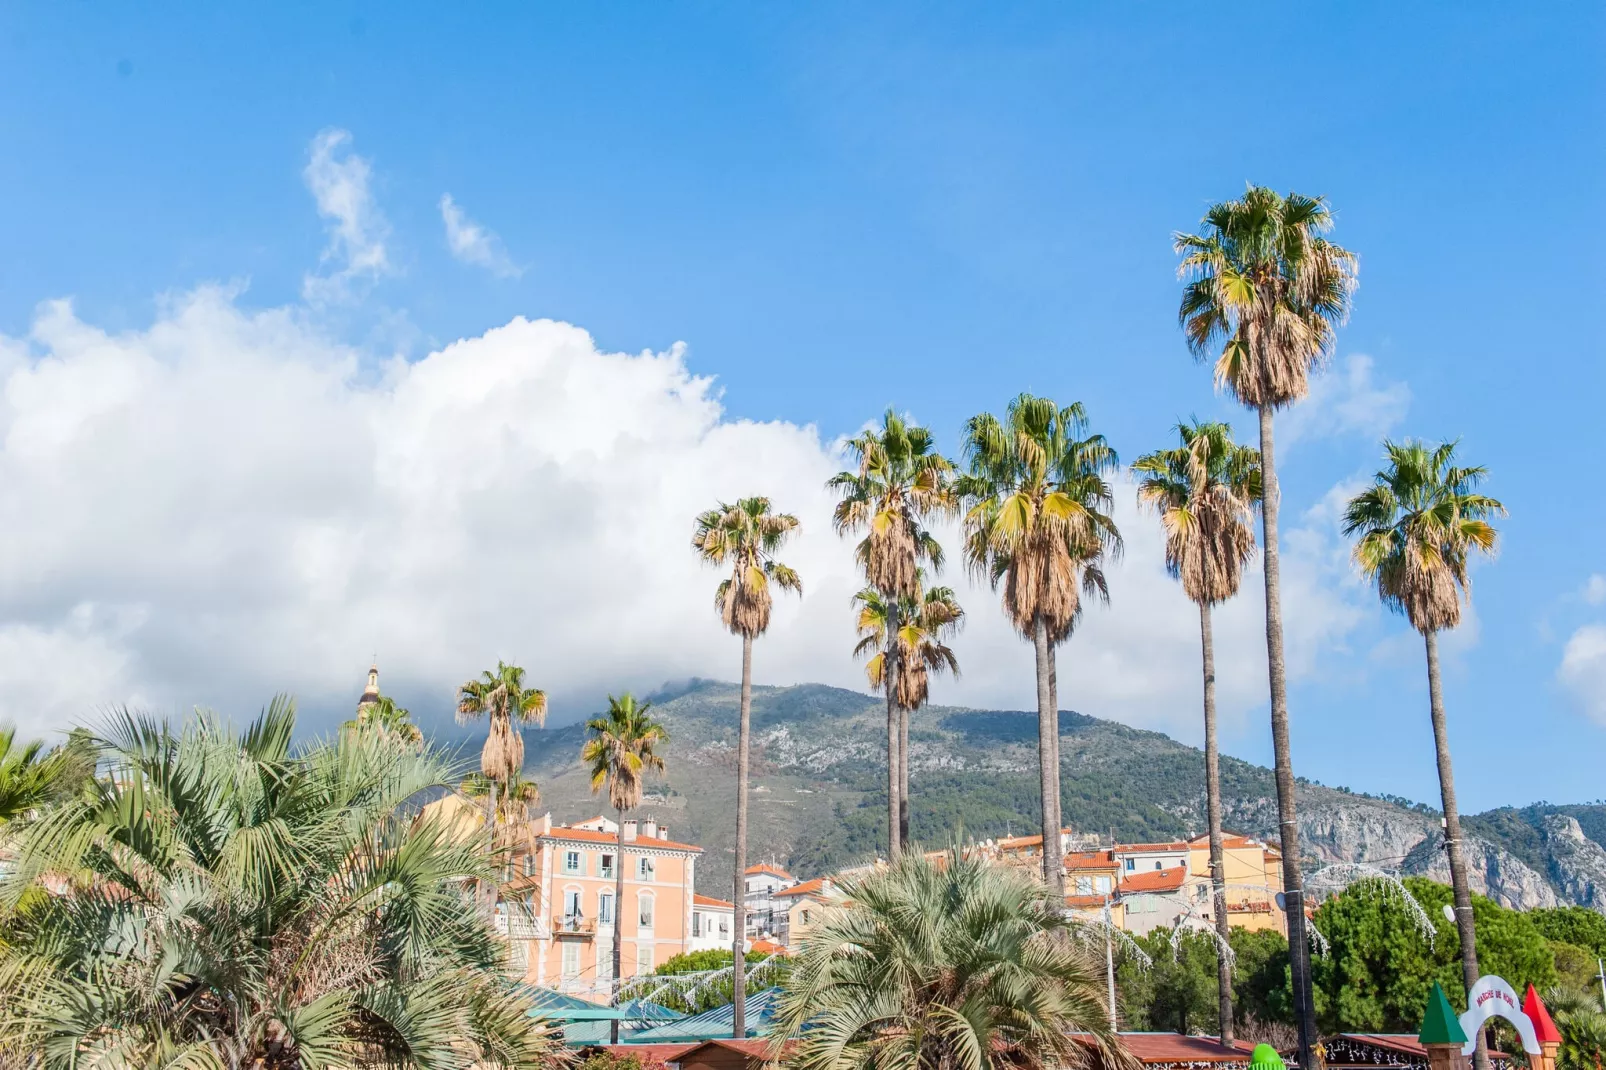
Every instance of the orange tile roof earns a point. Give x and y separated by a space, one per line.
564 832
710 901
1084 900
1232 841
817 886
765 867
767 947
1159 880
1026 841
650 1053
1132 848
1090 860
1152 1048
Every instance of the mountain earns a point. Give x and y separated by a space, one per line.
817 801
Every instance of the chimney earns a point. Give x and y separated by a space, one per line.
630 829
544 826
649 828
663 832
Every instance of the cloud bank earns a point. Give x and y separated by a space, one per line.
228 503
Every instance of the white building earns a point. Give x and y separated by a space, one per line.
766 915
711 924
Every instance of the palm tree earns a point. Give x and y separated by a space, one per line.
622 749
900 483
924 622
1417 524
1038 522
236 902
32 778
502 697
1205 491
949 963
1264 294
746 537
388 719
1581 1017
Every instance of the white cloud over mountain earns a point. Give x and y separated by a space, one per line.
229 503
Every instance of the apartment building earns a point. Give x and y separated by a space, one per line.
766 914
1091 880
806 905
1254 876
556 905
711 923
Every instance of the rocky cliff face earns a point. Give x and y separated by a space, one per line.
1577 863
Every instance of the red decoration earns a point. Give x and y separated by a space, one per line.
1545 1030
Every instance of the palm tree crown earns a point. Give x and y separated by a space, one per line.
501 696
900 483
746 536
948 962
1039 517
925 621
1265 286
31 777
1205 491
389 719
1418 523
622 750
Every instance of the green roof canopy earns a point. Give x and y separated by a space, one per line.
1439 1023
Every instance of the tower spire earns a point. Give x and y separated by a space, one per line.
370 694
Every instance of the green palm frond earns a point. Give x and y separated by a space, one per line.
746 537
621 748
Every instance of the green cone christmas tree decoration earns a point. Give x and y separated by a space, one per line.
1439 1024
1265 1057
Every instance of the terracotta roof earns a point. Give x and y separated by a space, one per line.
752 1047
1025 841
1090 860
572 835
710 901
817 886
1144 848
765 867
767 947
1159 880
1151 1048
648 1053
1084 900
1404 1043
1234 841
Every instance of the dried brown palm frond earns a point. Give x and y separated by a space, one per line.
746 537
1205 491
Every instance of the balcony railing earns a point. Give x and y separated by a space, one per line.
573 925
519 926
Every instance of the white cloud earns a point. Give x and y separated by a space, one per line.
1582 672
1346 401
1594 591
228 504
355 256
474 244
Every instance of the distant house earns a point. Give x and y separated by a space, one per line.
1254 876
711 923
807 904
766 915
1091 880
1153 899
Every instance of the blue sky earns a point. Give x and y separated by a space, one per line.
837 209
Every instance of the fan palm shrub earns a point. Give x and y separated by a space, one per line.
1417 527
222 899
1205 490
745 537
948 962
1263 295
900 483
1038 523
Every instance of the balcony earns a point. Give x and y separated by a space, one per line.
574 925
517 925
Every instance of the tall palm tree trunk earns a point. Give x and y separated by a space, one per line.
738 945
1047 750
1288 827
1218 870
903 774
618 928
889 684
1452 835
1054 735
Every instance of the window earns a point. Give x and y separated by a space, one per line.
571 959
1131 863
529 865
1084 886
643 960
724 926
696 923
1102 884
605 908
644 912
571 861
644 868
571 903
604 960
607 866
805 915
1157 864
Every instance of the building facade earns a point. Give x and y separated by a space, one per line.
711 924
766 914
